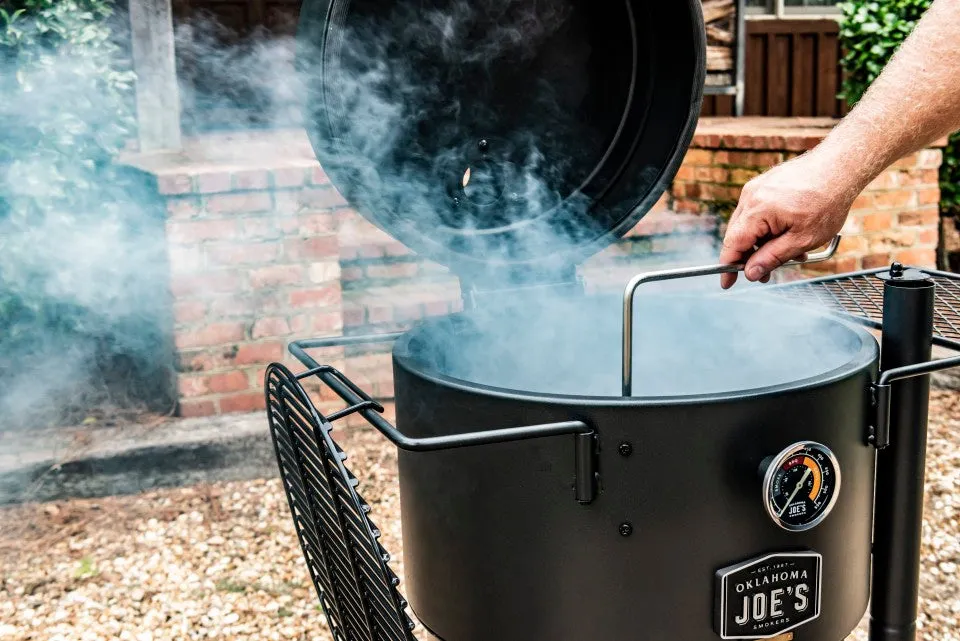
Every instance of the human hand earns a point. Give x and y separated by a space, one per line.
785 213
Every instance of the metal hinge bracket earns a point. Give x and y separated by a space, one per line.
879 435
587 481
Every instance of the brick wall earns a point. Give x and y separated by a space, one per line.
896 218
254 262
263 251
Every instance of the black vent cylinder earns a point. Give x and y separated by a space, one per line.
908 304
496 547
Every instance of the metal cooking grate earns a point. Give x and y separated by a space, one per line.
861 295
348 566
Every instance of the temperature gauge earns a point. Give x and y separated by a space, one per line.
801 485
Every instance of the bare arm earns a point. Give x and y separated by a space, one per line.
799 205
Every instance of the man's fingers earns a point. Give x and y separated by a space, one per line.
772 255
742 234
728 280
735 216
741 237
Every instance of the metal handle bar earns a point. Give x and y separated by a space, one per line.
361 404
919 369
882 392
686 272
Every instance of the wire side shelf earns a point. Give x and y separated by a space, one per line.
860 296
349 568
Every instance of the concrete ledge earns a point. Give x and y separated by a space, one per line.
48 466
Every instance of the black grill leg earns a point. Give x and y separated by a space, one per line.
907 330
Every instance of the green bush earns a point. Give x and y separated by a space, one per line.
65 47
871 31
70 220
65 113
950 178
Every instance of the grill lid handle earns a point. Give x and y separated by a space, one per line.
629 295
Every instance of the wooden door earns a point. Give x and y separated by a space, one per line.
242 17
792 69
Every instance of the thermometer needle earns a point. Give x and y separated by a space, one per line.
795 492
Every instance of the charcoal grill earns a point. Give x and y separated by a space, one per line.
659 465
893 421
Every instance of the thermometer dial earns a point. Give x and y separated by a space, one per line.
801 486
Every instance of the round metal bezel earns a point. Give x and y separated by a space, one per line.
777 463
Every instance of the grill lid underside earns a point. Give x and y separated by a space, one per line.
496 135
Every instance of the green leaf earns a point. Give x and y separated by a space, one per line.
66 109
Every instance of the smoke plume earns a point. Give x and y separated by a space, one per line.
409 100
91 277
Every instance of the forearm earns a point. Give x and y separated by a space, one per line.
914 102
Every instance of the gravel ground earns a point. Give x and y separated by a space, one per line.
222 561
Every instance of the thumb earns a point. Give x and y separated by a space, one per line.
772 255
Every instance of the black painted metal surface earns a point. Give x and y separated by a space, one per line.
584 436
504 135
908 321
494 548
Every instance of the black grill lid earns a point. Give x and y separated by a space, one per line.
502 134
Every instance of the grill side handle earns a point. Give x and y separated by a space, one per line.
883 393
359 402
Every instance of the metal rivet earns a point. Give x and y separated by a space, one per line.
626 529
625 449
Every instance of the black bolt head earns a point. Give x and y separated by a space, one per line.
626 529
483 145
625 449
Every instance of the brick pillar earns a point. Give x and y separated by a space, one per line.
896 217
261 257
254 262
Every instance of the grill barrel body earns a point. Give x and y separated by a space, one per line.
495 546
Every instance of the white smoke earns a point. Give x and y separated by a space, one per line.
103 260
